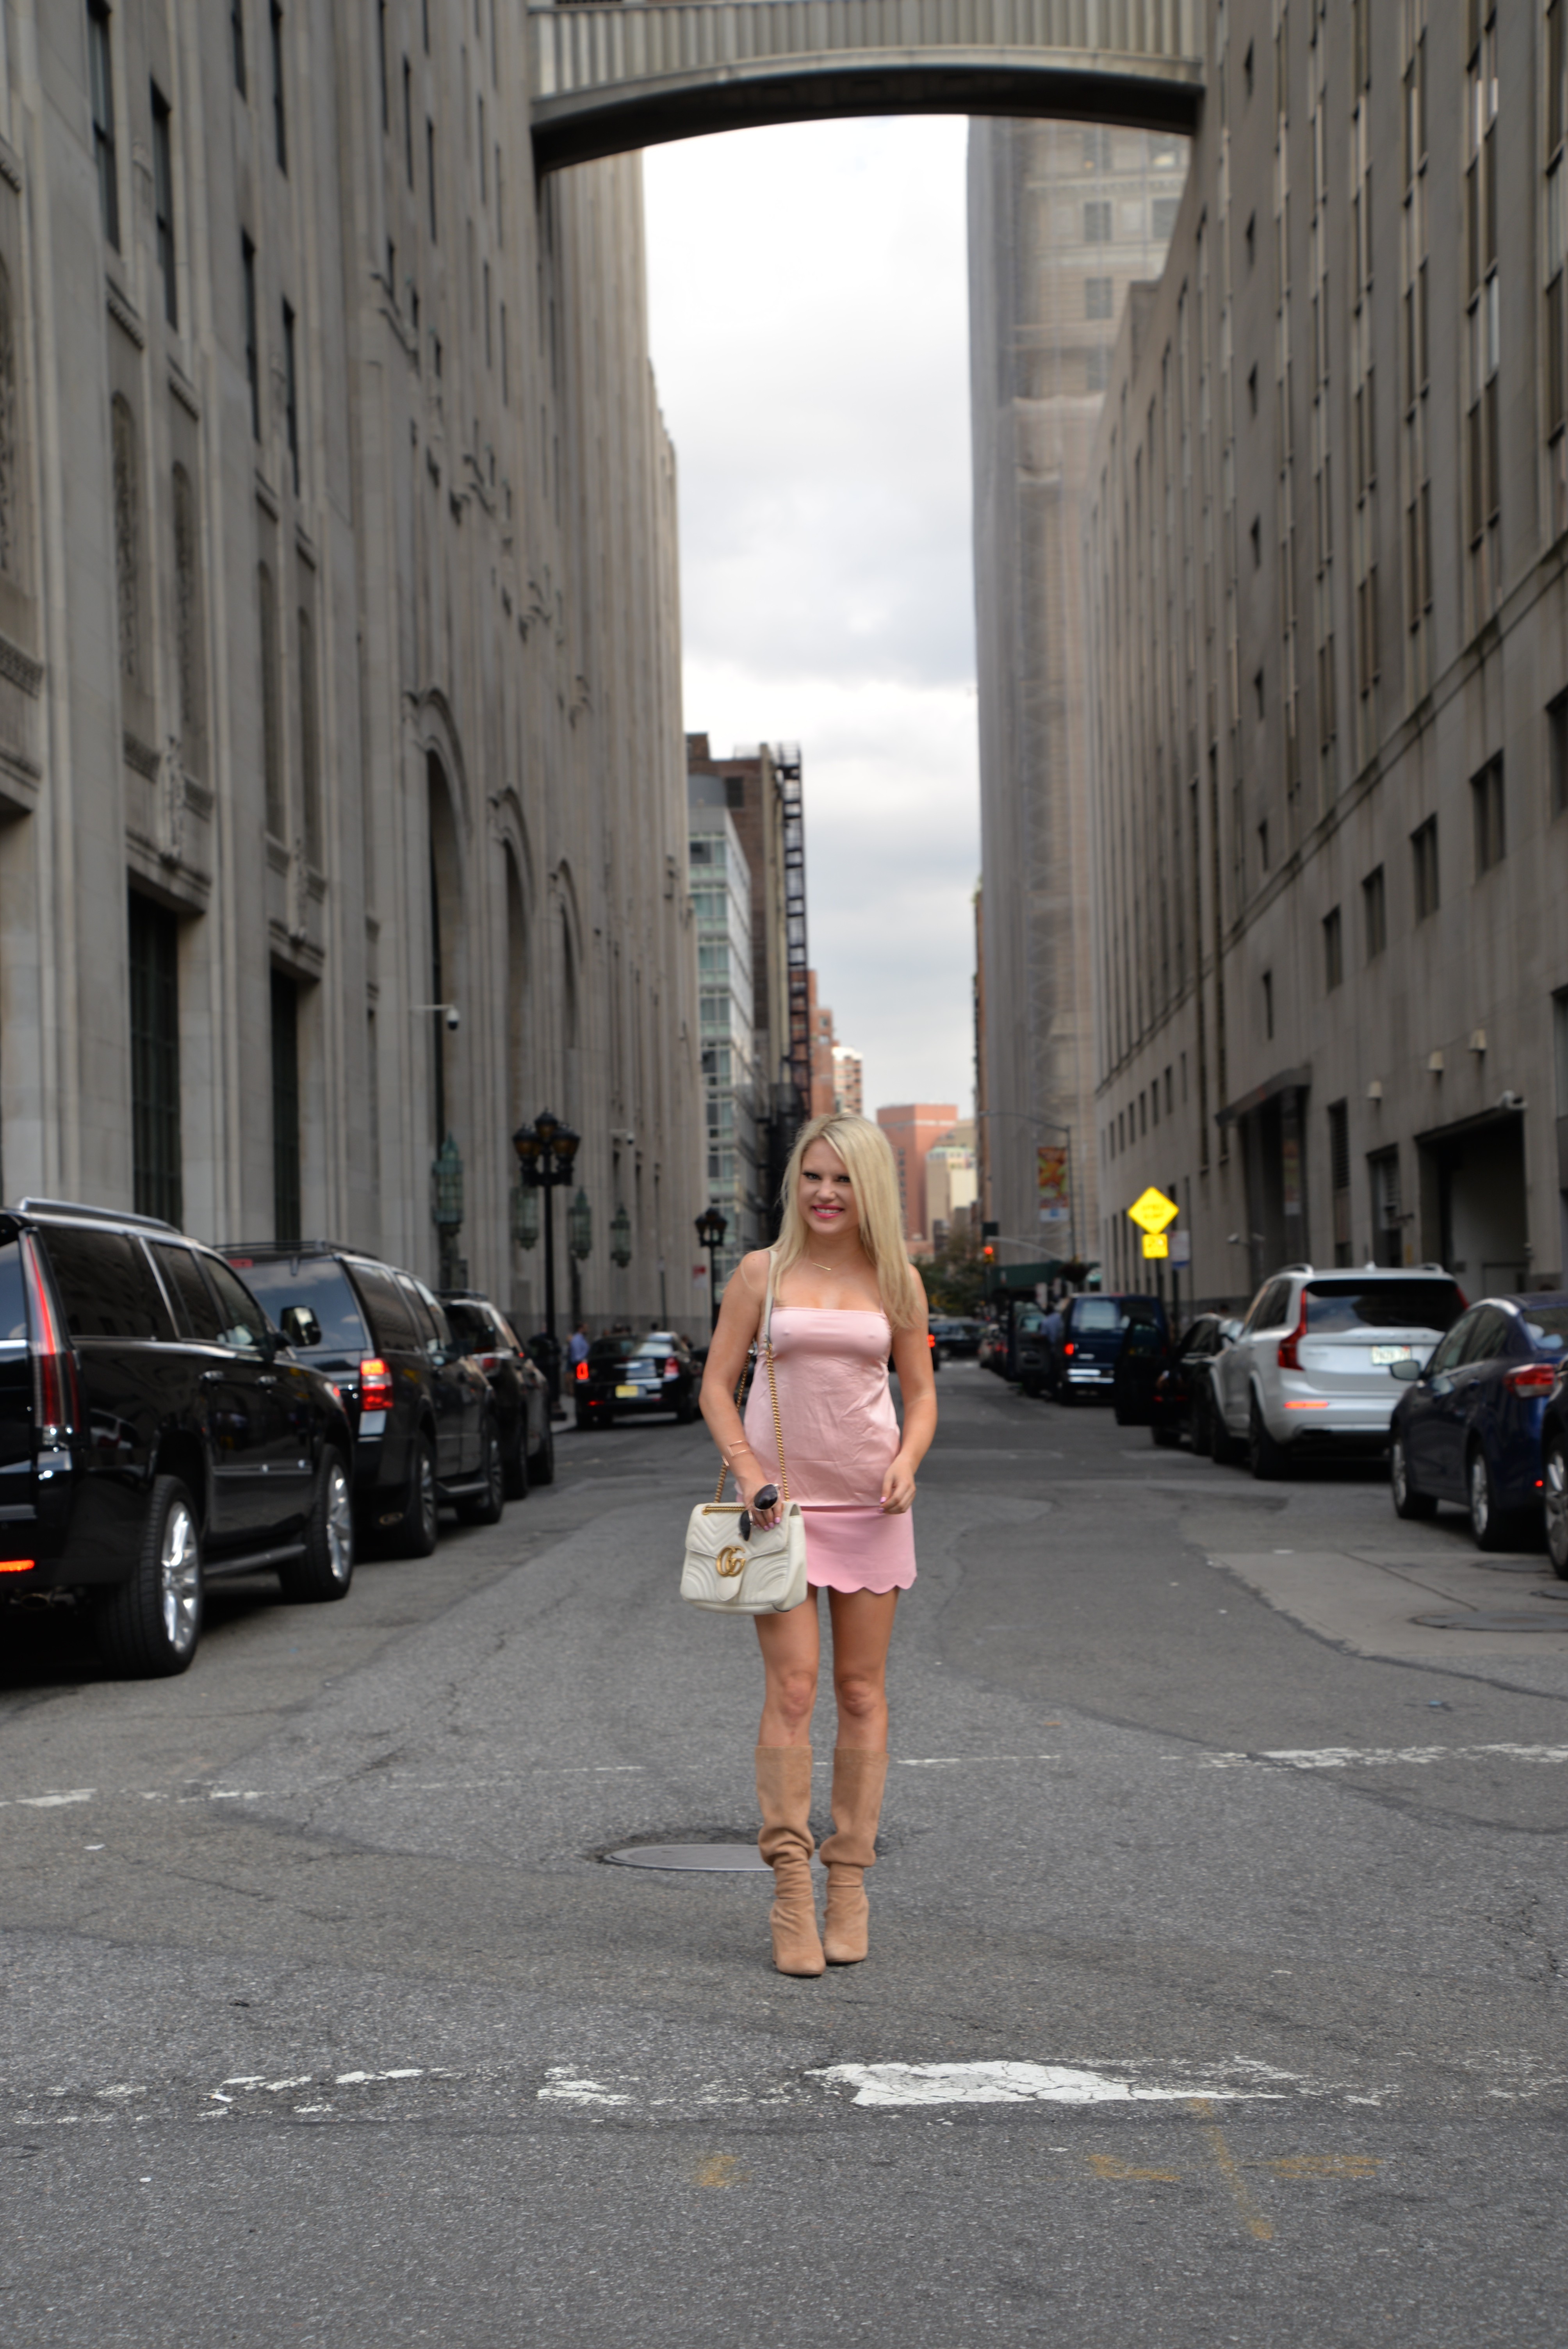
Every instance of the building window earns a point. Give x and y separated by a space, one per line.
430 173
381 65
187 607
1096 369
127 538
1556 255
280 118
1387 1220
1268 1005
1333 950
1557 749
1097 221
1424 868
290 393
309 740
272 705
408 122
1375 914
100 72
1488 815
253 348
1162 214
1482 311
1339 1177
163 201
7 426
285 1109
154 984
1098 298
237 35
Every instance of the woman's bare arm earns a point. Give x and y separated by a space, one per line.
917 1385
738 1316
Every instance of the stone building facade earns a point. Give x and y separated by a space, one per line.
338 641
1329 555
1063 217
722 898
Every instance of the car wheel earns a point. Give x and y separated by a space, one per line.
327 1569
1202 1423
1167 1438
685 1413
1265 1458
151 1625
1409 1501
416 1534
541 1467
1492 1528
517 1463
1227 1450
485 1508
1555 1469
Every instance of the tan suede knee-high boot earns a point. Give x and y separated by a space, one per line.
784 1792
858 1781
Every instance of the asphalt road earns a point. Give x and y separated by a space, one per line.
1220 1940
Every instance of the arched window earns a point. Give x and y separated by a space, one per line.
309 739
187 609
7 426
272 705
127 538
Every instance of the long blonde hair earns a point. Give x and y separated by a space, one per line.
868 1156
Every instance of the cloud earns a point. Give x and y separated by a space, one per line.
809 322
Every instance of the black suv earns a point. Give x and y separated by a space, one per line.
424 1426
155 1430
519 1388
623 1374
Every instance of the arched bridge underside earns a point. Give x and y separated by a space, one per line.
608 78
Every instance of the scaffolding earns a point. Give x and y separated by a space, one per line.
787 766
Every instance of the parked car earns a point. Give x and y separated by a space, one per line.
156 1431
425 1425
1085 1340
1184 1396
1471 1426
991 1350
956 1335
626 1376
519 1388
1309 1368
1555 1473
1025 1355
1140 1360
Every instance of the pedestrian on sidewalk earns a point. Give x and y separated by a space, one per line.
844 1295
577 1346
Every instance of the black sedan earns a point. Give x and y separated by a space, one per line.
629 1377
519 1388
1480 1422
1182 1390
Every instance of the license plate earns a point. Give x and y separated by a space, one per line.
631 1392
1393 1353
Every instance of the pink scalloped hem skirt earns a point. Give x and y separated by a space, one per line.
852 1547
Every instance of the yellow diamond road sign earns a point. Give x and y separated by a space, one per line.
1154 1210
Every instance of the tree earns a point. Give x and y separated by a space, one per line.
954 1276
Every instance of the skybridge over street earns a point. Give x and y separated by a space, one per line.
608 78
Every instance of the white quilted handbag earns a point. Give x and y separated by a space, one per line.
763 1571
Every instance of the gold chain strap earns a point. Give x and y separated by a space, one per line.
778 1429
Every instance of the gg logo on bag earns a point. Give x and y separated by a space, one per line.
730 1562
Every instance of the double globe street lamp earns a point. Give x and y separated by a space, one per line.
545 1153
711 1228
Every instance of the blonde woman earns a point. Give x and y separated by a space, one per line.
845 1295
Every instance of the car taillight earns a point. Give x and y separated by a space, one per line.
54 1365
1531 1378
375 1384
486 1362
1069 1347
1289 1359
582 1373
672 1366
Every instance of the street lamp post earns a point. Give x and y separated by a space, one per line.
546 1151
711 1228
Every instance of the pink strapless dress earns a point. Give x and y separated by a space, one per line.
839 1432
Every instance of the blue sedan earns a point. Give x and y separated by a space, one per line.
1469 1428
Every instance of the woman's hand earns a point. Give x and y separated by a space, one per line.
751 1481
898 1486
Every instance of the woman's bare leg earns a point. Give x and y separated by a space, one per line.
792 1646
862 1626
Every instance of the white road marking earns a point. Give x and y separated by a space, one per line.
1372 1757
561 2089
1009 2084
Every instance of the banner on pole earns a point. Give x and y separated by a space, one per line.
1052 1176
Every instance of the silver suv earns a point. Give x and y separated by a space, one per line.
1309 1367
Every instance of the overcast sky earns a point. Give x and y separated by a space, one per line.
810 337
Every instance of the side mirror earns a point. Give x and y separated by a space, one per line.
299 1326
1407 1372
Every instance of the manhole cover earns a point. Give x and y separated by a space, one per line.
1478 1623
705 1858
